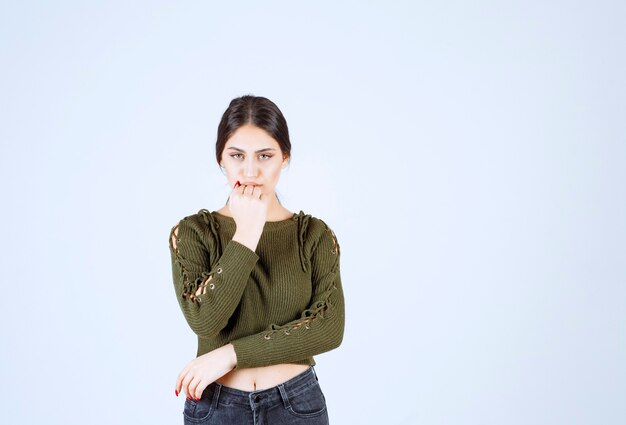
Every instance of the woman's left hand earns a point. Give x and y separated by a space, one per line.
205 369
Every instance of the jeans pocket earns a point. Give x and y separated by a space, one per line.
199 411
309 403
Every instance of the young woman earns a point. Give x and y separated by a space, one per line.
258 284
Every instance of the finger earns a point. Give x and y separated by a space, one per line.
243 190
233 190
202 384
185 385
193 386
179 380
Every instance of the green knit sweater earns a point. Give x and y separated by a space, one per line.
282 303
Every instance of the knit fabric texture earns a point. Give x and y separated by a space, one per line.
282 303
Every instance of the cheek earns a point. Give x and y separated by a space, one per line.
276 171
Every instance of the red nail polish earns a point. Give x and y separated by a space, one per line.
176 392
237 184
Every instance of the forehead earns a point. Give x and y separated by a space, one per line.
251 137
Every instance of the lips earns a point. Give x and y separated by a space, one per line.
250 184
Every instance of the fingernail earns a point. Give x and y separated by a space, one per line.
237 184
188 397
176 392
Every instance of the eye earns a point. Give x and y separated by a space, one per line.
235 155
266 156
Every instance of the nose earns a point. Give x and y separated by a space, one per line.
249 168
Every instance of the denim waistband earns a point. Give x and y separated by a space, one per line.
279 393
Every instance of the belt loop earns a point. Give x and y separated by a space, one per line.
216 395
283 395
314 374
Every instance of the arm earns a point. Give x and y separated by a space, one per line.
320 327
207 294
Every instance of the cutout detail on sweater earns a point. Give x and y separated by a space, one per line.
192 290
312 315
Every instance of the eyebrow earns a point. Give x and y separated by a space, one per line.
260 150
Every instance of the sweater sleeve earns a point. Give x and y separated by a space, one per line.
208 294
320 327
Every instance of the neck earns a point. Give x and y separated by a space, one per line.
274 209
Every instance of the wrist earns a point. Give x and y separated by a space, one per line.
231 355
248 240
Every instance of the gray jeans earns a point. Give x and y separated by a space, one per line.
297 401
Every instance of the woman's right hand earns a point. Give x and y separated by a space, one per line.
248 207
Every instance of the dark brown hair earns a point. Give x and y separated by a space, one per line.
255 110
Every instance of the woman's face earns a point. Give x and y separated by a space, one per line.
252 156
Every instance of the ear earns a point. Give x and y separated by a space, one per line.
285 161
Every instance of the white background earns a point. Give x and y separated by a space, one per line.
470 157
